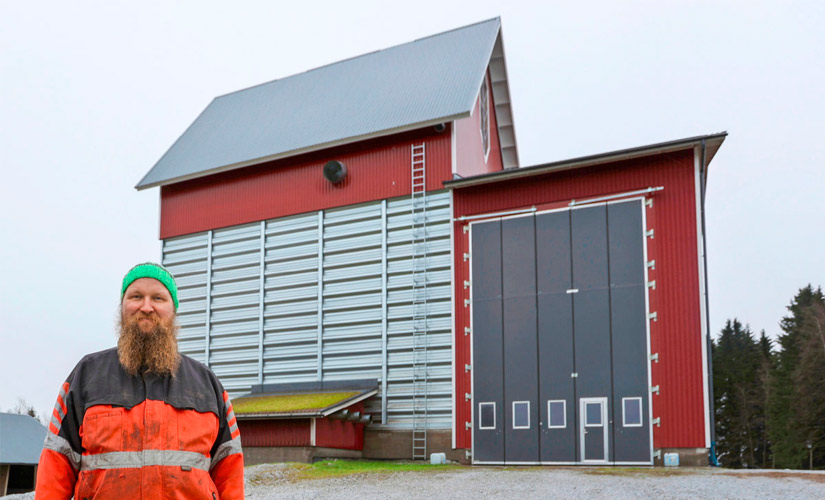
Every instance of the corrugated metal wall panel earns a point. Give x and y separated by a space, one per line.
186 259
377 169
234 313
676 336
353 291
291 300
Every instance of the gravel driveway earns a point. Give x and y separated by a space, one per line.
535 483
272 481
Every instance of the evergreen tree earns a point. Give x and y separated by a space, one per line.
739 394
796 402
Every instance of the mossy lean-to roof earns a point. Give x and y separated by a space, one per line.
289 403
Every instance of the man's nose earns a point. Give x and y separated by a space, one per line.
146 305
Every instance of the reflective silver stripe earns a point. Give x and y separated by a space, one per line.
228 448
58 421
137 459
59 409
60 445
230 416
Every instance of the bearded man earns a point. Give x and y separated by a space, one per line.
141 420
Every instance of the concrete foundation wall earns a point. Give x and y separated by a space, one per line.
397 445
253 455
688 457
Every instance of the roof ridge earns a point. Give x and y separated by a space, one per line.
497 18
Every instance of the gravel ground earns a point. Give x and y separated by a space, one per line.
534 483
273 481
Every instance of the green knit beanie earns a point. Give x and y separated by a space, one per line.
154 271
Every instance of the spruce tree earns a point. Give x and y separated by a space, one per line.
739 397
796 402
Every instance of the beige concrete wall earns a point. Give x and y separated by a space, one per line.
306 454
397 445
688 457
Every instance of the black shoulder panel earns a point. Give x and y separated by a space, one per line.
100 379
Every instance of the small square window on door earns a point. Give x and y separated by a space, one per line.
521 414
486 416
556 414
593 415
632 412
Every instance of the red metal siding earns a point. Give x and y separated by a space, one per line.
340 434
676 336
469 152
377 169
282 432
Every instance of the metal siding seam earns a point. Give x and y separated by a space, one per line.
576 450
647 327
702 292
453 364
207 324
609 427
469 266
261 292
384 368
320 342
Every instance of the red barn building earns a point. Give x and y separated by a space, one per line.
362 236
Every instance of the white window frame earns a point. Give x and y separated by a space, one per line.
641 415
563 414
481 427
514 415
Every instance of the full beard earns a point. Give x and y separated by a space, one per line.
155 351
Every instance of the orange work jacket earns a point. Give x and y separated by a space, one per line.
119 436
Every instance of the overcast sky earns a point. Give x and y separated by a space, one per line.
93 93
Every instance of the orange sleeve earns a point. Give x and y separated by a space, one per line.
228 477
55 477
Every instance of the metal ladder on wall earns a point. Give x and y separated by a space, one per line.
419 301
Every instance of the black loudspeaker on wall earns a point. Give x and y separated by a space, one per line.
335 171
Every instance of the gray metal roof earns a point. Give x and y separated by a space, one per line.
428 81
21 439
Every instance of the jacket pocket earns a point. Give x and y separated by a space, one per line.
102 429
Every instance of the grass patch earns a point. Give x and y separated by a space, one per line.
337 468
289 402
635 471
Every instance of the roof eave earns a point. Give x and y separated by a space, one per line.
308 149
712 142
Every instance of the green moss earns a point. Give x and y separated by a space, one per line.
289 402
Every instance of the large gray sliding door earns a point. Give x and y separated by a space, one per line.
560 354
